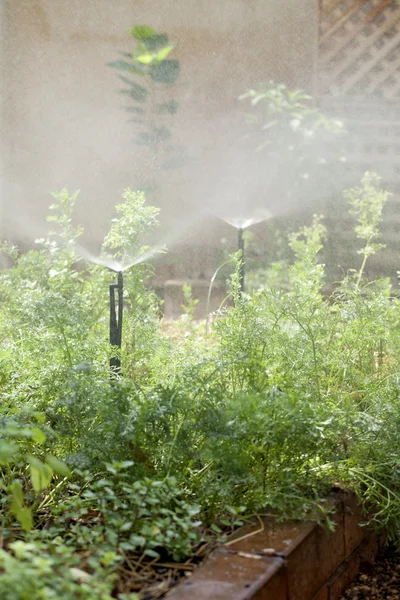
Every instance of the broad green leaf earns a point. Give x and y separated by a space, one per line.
124 65
166 71
58 466
38 436
17 492
24 516
18 431
151 553
40 478
162 54
41 474
142 32
7 450
145 59
22 513
136 92
155 42
79 575
170 107
125 464
135 109
40 418
137 540
155 136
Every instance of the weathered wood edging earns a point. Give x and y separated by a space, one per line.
286 561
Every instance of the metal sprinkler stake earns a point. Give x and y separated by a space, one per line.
241 248
116 322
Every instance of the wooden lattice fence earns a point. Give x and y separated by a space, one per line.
359 48
359 80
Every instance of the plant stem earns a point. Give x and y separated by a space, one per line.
364 262
210 290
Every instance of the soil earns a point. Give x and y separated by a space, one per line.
380 581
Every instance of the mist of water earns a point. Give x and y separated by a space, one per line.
119 266
242 222
99 156
159 243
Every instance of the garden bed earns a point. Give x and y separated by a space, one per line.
112 485
272 560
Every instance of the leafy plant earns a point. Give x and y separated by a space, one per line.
135 219
49 572
115 514
289 393
191 303
27 470
285 112
149 73
301 146
368 202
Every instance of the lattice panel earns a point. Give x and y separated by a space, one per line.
359 48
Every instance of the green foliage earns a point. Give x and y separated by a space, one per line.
35 571
27 469
301 145
54 358
149 73
368 202
52 314
134 220
191 303
95 418
289 393
287 112
115 514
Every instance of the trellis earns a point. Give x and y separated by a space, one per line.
358 79
359 48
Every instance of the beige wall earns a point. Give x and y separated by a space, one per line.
63 122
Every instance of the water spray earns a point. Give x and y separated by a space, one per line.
240 223
116 321
241 248
116 293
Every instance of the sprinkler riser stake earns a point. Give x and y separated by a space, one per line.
241 248
116 321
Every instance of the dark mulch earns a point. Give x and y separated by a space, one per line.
152 579
381 582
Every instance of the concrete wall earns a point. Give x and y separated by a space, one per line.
63 122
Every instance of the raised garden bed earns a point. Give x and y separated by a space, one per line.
271 560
